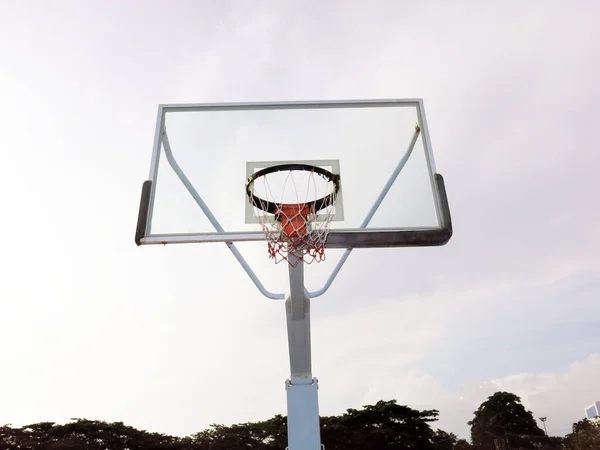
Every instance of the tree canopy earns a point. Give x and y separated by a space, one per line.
383 426
503 418
585 436
500 423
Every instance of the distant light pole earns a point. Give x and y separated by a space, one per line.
543 419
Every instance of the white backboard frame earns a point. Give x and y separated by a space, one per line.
338 238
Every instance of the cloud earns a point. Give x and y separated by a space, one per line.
443 346
560 396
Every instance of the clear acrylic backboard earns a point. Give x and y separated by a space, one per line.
203 154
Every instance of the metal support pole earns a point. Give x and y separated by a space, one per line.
372 211
543 419
302 388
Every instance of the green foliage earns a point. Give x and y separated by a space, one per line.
461 444
503 416
81 433
585 436
582 425
270 434
383 426
444 440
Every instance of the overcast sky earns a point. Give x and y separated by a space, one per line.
94 327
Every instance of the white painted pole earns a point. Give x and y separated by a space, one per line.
302 388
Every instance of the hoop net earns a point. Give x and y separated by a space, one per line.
295 232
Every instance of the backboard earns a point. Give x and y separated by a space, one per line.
390 194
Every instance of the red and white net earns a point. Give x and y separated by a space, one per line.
296 232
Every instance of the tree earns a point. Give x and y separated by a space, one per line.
270 434
385 426
503 416
88 434
382 426
461 444
585 436
444 441
582 425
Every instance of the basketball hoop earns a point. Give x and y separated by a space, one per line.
294 204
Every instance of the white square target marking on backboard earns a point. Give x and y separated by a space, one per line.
332 165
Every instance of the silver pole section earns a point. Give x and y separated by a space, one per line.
213 220
372 211
298 323
302 388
